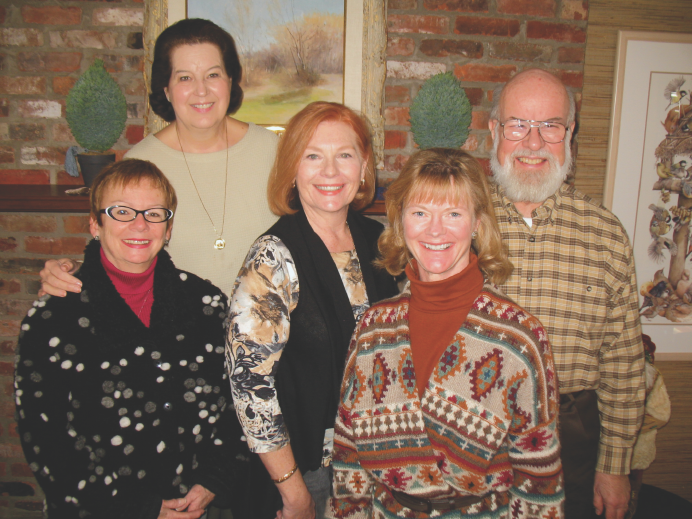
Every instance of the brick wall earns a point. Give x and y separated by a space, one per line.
483 42
46 46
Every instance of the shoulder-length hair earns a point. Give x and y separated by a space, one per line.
444 175
189 32
126 173
281 191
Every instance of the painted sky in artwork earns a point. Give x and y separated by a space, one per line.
260 14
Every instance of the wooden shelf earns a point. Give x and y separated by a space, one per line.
52 199
41 199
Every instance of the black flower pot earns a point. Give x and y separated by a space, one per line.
91 166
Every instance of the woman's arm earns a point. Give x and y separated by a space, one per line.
57 278
298 503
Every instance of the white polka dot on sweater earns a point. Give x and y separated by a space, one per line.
160 447
53 342
67 364
139 350
139 427
206 300
105 365
116 440
124 422
183 276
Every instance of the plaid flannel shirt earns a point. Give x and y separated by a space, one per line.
574 270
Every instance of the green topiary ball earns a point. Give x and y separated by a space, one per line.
96 109
440 113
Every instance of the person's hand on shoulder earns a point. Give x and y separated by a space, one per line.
175 509
57 278
198 498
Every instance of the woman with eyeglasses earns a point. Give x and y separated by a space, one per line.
121 389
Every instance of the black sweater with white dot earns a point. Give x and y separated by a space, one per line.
114 416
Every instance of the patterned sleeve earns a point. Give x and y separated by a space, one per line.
265 293
622 387
352 483
534 445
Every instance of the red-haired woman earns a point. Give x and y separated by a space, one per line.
311 275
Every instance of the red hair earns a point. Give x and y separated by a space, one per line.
281 192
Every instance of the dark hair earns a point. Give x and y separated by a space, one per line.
189 32
126 173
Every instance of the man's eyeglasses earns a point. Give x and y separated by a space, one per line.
518 129
122 213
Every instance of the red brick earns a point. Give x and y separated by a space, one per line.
42 245
6 155
397 46
6 368
396 116
486 165
486 26
11 450
4 108
417 24
414 69
443 48
488 144
62 133
8 391
15 307
132 17
135 110
555 31
134 133
570 55
119 154
64 179
24 176
21 37
475 95
21 265
8 347
9 286
479 120
3 13
116 63
471 143
135 87
21 470
52 15
570 78
49 61
575 10
79 39
402 4
395 163
22 85
8 244
466 6
13 430
396 94
43 156
44 108
76 224
27 223
394 139
27 132
9 329
482 72
3 59
527 7
63 84
506 50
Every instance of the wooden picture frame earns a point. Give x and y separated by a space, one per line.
364 87
635 185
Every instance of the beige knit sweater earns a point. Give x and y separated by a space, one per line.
246 209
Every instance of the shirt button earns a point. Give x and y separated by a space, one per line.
529 279
168 406
588 289
532 239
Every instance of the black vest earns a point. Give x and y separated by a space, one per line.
311 368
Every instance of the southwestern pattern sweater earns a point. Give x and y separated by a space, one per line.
486 425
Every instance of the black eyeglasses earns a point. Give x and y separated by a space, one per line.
122 213
517 130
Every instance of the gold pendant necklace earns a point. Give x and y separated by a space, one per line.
220 243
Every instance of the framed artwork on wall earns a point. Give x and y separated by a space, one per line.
364 48
649 177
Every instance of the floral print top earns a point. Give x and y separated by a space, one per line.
265 293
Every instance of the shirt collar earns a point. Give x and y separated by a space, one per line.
542 212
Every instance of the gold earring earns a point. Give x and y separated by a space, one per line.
362 181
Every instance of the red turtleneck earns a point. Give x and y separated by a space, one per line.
136 289
437 310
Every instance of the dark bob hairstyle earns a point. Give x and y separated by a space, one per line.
190 32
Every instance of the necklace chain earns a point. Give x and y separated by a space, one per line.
220 243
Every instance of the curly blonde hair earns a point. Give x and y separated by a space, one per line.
444 175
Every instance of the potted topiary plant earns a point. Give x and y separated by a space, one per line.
440 114
96 112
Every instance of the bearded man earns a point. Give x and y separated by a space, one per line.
574 270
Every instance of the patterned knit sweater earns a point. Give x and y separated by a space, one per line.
486 425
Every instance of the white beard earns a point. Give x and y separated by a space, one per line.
530 187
